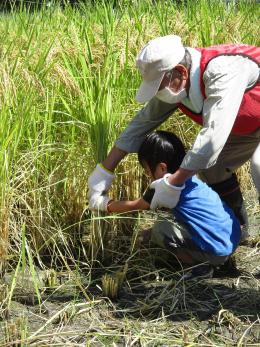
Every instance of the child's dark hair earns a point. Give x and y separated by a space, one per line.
161 146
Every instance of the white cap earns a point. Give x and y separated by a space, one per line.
157 57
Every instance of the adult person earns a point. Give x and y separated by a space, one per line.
219 88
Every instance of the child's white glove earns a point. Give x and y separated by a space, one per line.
98 202
166 195
99 181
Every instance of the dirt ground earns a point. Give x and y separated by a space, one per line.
154 306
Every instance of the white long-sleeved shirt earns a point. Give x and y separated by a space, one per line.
226 78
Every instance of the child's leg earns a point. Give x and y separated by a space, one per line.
166 233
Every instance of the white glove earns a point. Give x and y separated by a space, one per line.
99 202
99 181
166 195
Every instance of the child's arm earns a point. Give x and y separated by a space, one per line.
128 205
104 203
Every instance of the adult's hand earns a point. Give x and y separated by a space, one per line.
99 181
102 177
166 195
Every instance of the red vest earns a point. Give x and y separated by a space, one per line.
248 117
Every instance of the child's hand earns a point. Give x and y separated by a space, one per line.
99 202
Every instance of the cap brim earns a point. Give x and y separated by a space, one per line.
148 89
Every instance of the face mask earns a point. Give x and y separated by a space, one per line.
168 96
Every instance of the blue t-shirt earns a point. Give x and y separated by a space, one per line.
211 223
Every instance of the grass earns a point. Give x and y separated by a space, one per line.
67 87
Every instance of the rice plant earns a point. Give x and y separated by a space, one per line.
67 87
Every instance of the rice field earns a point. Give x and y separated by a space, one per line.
69 277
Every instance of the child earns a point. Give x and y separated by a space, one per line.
206 231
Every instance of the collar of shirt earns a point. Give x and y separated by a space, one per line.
194 101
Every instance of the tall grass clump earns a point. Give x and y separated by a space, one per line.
67 87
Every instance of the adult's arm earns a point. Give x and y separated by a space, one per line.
147 119
113 159
226 80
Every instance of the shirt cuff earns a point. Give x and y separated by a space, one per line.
148 195
195 162
129 146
